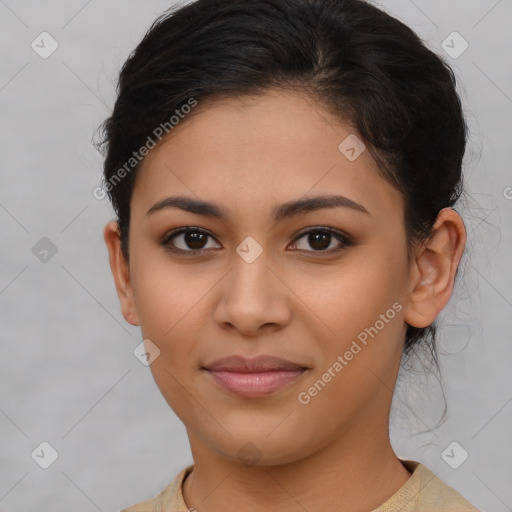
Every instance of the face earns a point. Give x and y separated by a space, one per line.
322 286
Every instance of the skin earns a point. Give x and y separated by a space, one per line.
249 155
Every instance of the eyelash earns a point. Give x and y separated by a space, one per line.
346 240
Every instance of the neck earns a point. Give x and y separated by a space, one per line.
340 473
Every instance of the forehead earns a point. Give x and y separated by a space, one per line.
251 153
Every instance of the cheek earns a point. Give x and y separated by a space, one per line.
359 353
352 296
172 319
167 294
362 321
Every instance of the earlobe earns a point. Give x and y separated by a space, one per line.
120 272
434 268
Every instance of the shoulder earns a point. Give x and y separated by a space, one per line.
169 500
425 492
435 493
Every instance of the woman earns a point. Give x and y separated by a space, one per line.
283 174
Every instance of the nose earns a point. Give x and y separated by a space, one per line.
252 298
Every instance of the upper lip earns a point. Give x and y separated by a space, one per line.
257 364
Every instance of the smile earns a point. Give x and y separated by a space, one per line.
255 384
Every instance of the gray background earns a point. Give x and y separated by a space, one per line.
68 375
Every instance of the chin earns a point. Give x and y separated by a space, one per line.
261 449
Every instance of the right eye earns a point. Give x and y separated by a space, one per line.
187 240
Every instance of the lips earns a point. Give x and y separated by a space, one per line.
256 377
255 365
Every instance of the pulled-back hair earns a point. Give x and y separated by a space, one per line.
363 65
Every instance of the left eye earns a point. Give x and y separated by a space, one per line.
321 238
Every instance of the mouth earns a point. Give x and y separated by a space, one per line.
256 377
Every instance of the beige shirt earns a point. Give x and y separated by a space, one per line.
423 492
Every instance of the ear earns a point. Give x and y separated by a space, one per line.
121 272
433 269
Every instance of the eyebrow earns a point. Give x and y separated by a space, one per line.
279 213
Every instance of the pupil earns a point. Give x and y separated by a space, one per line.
319 240
192 239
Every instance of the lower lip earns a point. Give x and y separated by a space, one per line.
253 385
